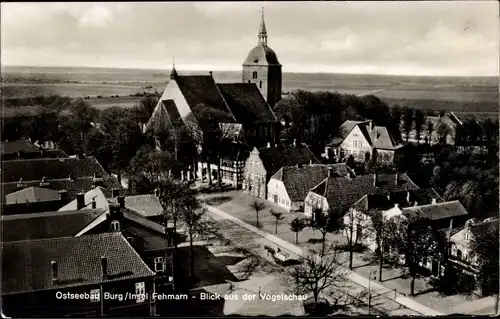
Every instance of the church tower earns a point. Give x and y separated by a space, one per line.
263 68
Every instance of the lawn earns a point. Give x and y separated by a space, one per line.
237 203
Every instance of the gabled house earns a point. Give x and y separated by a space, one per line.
365 142
465 256
43 276
264 162
289 186
343 192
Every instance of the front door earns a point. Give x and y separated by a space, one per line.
276 198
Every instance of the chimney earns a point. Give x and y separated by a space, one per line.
94 203
121 201
268 145
330 170
55 277
104 267
294 142
433 200
310 162
63 194
451 223
375 179
396 205
370 125
396 179
157 192
211 73
415 204
115 192
80 201
408 196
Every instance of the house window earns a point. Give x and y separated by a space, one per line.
159 265
459 254
260 84
467 236
115 225
254 74
140 292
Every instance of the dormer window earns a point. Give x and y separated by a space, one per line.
115 225
159 264
254 75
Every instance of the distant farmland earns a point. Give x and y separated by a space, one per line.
462 95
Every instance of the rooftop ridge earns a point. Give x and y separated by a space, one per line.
105 235
50 214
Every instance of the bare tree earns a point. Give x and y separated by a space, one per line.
318 272
325 224
430 130
297 225
353 225
278 216
419 123
380 231
257 206
194 218
407 121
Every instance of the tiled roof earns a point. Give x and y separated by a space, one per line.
95 194
78 261
247 103
73 186
46 224
436 211
299 180
31 195
372 202
378 136
12 147
50 168
347 191
202 89
344 131
35 154
165 116
480 228
420 196
276 157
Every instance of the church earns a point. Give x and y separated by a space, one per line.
245 107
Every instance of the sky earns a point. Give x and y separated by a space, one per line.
407 38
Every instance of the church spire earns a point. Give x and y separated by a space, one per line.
173 73
262 30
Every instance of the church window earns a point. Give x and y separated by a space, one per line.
254 75
260 84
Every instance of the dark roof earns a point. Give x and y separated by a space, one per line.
247 103
51 168
420 196
373 202
12 147
298 181
78 261
46 224
31 195
73 186
344 131
378 136
235 151
202 89
165 116
436 211
276 157
480 228
35 154
261 55
347 191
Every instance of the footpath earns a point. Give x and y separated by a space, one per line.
354 277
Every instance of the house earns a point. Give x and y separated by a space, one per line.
450 122
466 255
365 142
63 277
147 206
69 175
343 192
34 199
12 148
153 241
264 162
289 186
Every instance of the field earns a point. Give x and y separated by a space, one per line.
478 96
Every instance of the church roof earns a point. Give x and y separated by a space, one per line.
202 89
262 55
247 103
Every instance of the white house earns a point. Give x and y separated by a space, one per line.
289 186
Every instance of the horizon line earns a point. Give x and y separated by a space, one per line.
235 70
